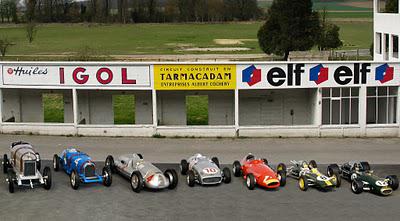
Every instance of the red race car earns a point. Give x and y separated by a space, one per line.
257 171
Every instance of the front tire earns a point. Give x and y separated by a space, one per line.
303 183
237 169
74 180
137 182
191 179
6 164
10 176
56 162
357 186
184 167
172 176
110 163
47 179
215 160
393 182
338 179
107 176
313 164
227 175
250 181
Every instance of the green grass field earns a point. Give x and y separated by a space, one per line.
53 108
197 110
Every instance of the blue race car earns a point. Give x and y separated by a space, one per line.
81 169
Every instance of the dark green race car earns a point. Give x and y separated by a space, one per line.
362 178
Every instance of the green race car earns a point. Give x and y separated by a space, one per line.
362 178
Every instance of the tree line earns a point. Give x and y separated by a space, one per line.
130 11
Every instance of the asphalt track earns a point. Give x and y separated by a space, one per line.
224 202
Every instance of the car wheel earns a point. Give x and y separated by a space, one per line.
303 183
74 180
140 156
313 164
137 182
250 181
282 177
56 162
265 161
281 167
6 164
215 160
10 177
338 178
227 175
38 162
357 186
107 176
190 179
110 163
237 169
393 182
47 179
331 169
184 167
172 176
365 166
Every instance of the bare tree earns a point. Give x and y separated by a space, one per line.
4 45
31 29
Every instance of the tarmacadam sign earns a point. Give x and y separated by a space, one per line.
54 75
311 75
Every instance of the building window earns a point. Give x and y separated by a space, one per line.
378 43
340 105
386 55
395 43
381 105
387 6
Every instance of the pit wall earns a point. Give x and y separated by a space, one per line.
247 100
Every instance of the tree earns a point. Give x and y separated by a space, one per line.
31 30
392 6
329 38
4 45
291 25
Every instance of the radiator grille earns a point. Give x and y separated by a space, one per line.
29 168
90 171
212 180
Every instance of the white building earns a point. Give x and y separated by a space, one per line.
386 33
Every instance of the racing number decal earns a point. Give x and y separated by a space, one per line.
209 170
266 178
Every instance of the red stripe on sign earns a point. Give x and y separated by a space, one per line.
62 80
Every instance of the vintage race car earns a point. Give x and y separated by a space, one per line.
308 175
257 172
23 167
142 173
81 169
204 171
362 178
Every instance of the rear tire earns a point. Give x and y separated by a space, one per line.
47 178
140 156
265 161
393 182
227 175
365 165
357 186
281 167
74 180
38 162
282 180
191 179
332 168
56 162
10 177
215 160
137 182
250 181
303 183
6 164
313 164
184 167
110 163
237 169
173 178
107 176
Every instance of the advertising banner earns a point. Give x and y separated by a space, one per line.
311 75
195 77
54 75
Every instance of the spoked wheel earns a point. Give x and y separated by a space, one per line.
137 182
10 177
6 163
172 176
47 178
107 176
74 180
110 163
56 162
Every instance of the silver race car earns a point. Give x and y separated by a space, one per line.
142 173
203 170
